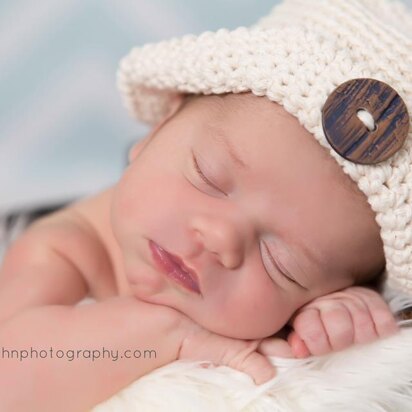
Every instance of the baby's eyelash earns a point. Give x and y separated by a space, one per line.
199 172
277 266
202 176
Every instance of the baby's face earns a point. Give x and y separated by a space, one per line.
250 202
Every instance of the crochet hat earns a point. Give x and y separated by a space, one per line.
318 59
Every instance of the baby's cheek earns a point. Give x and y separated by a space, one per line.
133 206
266 307
124 200
270 314
258 313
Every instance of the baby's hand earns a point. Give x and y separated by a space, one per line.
335 321
243 355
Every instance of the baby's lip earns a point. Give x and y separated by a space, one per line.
185 275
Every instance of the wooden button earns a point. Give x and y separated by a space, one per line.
359 141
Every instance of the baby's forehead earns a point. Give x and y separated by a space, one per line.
242 123
234 102
226 113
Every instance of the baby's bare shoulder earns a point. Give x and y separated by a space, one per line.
82 233
89 215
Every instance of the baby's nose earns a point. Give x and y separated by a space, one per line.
221 237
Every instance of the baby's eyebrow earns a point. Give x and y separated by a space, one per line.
220 137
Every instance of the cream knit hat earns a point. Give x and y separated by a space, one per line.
297 56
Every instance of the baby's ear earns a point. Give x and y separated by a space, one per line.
138 146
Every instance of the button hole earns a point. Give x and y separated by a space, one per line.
367 119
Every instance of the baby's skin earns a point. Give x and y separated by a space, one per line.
229 224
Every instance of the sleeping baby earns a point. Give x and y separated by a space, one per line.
259 216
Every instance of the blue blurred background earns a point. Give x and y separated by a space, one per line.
63 130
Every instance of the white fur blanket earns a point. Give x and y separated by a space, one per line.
365 378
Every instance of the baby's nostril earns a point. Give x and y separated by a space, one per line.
367 119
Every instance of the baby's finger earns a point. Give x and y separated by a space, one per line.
298 346
382 317
308 325
338 324
275 347
364 326
255 365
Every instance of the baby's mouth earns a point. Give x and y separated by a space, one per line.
174 268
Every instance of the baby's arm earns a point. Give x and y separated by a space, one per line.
117 324
335 321
58 260
52 266
52 382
